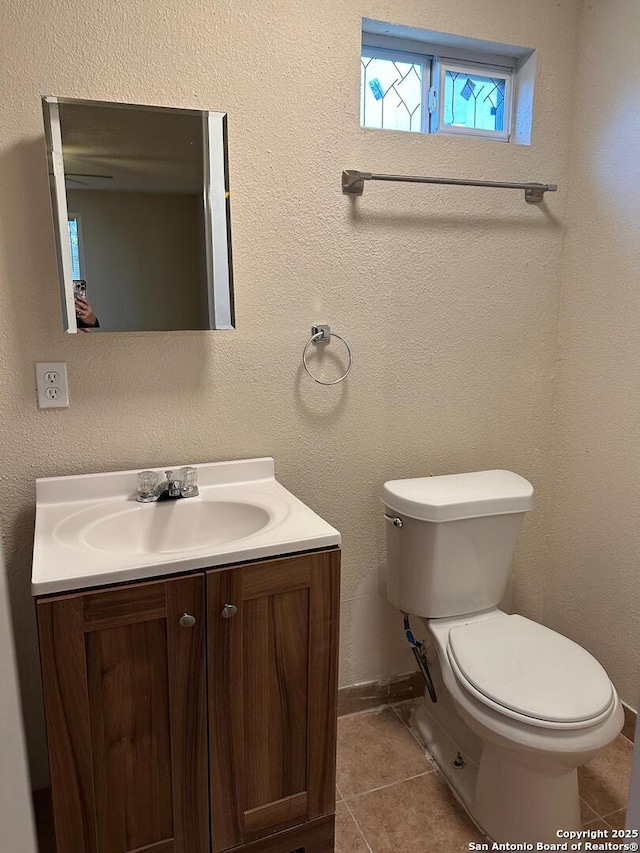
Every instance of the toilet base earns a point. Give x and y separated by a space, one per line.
518 802
448 748
506 799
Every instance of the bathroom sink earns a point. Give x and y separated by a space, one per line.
90 530
164 528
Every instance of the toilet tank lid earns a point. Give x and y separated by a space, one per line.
455 496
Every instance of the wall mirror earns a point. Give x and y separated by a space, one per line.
140 202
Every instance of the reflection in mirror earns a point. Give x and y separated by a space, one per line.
141 208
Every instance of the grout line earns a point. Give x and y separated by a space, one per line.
582 800
596 820
362 835
339 793
413 733
611 814
597 814
390 785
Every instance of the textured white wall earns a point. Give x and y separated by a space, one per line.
592 590
448 296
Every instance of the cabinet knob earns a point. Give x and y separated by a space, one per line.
187 620
229 610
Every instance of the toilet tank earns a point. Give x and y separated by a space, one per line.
450 550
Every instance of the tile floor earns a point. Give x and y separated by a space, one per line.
391 798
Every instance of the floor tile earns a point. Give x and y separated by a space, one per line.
376 749
617 819
417 816
587 814
405 709
348 837
338 794
604 781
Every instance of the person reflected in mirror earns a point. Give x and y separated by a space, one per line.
85 315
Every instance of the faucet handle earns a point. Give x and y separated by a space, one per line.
167 475
189 482
147 486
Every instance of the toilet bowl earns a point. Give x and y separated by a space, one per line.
541 705
520 707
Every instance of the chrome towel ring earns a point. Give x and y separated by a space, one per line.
323 335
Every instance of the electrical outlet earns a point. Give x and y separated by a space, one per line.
51 384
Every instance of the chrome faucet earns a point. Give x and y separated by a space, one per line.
172 488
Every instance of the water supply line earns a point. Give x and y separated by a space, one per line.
420 654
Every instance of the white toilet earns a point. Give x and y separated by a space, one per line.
519 707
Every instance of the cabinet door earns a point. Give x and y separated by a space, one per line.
272 694
125 700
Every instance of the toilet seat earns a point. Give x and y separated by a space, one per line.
530 673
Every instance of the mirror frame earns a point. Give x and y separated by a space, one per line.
217 216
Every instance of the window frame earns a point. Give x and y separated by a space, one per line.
435 65
406 56
444 64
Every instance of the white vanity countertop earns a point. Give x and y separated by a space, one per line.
90 530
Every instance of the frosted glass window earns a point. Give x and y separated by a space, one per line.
392 93
474 101
426 93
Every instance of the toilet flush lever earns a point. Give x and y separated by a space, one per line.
397 522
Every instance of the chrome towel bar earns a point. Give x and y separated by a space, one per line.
353 184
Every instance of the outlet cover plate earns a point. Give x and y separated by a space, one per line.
51 385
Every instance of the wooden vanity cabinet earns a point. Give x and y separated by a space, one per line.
125 704
272 682
188 735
